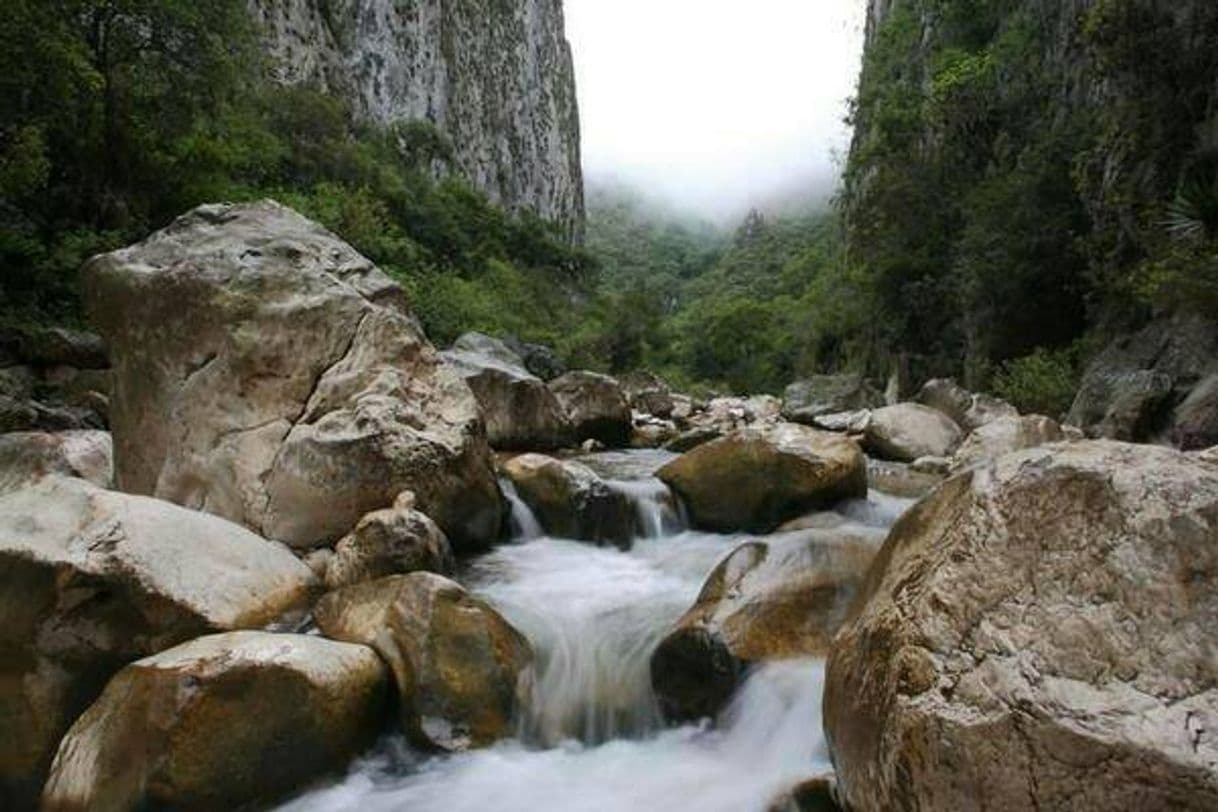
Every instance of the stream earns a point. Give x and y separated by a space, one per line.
591 737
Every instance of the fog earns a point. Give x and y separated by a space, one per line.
716 105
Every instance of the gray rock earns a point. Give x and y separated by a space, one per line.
648 394
907 431
596 406
808 399
966 409
26 457
61 346
1195 425
1004 435
538 359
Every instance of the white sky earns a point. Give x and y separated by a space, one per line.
715 104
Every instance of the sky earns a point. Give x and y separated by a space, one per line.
715 105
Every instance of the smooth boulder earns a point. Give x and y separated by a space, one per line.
571 501
779 598
596 407
92 579
1038 633
394 541
810 398
268 373
907 431
756 478
461 669
26 457
221 722
1004 435
968 410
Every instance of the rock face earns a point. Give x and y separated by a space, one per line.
1195 425
266 372
908 431
394 541
596 406
1038 634
805 400
648 394
495 78
756 478
571 501
779 598
966 409
91 580
461 669
26 457
1004 435
520 411
220 722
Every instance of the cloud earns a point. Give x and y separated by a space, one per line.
715 104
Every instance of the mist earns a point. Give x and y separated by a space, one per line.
715 106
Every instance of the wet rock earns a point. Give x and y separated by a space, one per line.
966 409
648 394
92 579
461 669
1038 634
571 501
520 411
221 722
394 541
806 400
1004 435
1196 419
907 431
779 598
26 457
938 466
596 406
266 372
651 432
902 479
756 478
691 439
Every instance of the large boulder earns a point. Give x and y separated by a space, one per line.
907 431
221 722
520 411
808 399
394 541
968 410
648 394
1004 435
91 580
1195 425
1038 634
266 372
26 457
461 669
756 478
596 406
779 598
571 501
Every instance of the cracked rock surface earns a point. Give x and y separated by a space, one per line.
1038 634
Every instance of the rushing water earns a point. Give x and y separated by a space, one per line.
590 738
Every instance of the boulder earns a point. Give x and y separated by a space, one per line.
92 579
266 372
779 598
26 457
652 432
808 399
520 411
461 669
967 410
571 501
847 422
1038 634
596 407
1195 425
538 359
754 479
902 479
394 541
691 439
648 394
221 722
907 431
1004 435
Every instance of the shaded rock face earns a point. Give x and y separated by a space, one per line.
908 431
538 359
966 409
26 457
783 597
219 723
266 372
754 479
1038 634
571 501
1195 425
461 669
814 795
805 400
648 394
91 580
1004 435
394 541
596 406
520 411
1129 390
495 78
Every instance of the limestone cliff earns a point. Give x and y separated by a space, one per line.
494 76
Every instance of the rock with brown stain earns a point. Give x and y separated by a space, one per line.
394 541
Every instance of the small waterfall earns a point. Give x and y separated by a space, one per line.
524 523
658 512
